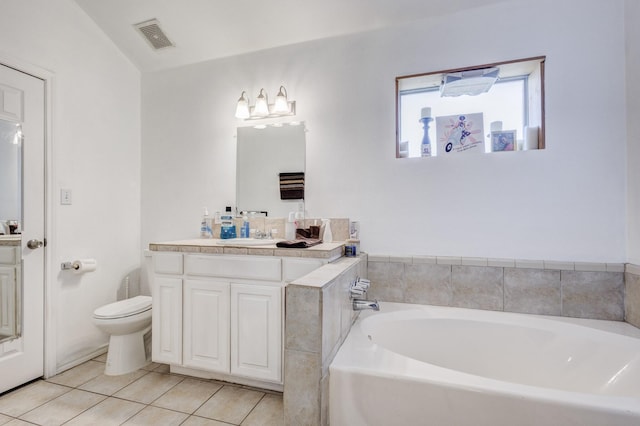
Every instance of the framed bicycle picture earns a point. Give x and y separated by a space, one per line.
460 133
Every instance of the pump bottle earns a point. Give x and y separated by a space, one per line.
205 225
327 235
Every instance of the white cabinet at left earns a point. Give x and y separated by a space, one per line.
220 316
9 292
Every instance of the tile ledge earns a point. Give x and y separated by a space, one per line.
632 268
508 263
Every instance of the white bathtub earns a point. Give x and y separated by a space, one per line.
428 365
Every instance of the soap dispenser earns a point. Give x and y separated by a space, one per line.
327 235
205 225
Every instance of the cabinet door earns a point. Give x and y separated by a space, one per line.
256 331
167 320
206 325
7 301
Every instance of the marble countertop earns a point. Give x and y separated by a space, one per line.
10 240
331 251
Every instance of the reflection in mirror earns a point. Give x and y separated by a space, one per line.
10 220
264 157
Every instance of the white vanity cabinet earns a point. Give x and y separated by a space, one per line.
9 271
222 313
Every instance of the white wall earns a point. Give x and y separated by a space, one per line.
632 15
95 150
563 203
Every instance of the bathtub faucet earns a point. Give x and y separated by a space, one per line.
359 305
359 288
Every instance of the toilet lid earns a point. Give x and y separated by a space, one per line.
124 308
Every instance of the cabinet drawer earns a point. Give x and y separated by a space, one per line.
239 267
9 255
167 263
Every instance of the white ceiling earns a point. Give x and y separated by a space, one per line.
211 29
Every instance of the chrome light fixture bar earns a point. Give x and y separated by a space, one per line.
262 109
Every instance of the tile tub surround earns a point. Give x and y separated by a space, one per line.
319 317
572 289
632 295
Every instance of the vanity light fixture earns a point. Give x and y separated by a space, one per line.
262 109
242 109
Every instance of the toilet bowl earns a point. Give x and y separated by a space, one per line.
127 322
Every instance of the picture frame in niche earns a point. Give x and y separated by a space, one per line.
504 140
460 133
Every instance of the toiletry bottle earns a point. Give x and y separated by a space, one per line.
228 229
205 225
327 235
354 230
290 227
351 247
244 231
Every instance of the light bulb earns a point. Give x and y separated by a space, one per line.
242 109
281 105
262 107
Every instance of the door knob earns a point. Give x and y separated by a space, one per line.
34 244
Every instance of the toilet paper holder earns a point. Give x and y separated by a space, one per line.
69 265
80 265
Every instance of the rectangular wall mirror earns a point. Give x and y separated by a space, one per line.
263 154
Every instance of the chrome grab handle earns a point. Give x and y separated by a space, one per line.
35 244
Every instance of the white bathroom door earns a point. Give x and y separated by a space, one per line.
22 105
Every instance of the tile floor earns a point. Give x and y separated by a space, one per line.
83 395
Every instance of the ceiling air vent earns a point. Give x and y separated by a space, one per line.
153 34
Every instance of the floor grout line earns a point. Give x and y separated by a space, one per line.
46 402
251 411
111 396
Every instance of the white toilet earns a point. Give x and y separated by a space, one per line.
127 321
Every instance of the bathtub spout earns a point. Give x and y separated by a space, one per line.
359 305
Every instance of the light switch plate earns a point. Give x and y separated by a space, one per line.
65 197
